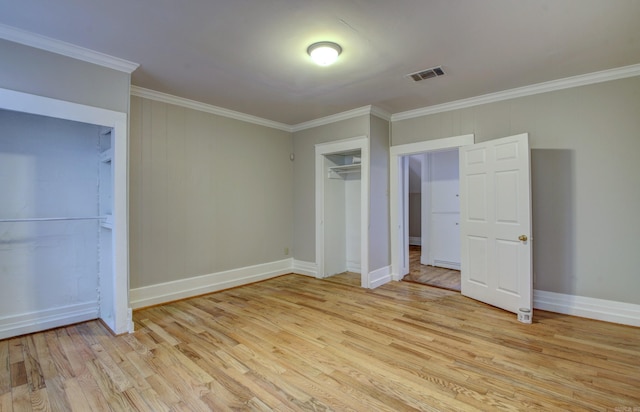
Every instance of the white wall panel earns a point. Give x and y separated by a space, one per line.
48 168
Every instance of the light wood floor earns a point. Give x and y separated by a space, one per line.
431 275
298 343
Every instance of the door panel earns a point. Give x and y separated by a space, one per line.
478 271
476 195
495 212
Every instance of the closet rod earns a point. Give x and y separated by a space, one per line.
49 219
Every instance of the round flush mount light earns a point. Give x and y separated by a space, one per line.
324 53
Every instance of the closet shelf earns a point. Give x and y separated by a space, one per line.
107 223
337 171
106 156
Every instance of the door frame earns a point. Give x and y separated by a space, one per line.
321 150
116 314
397 201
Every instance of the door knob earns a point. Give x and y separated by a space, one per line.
523 238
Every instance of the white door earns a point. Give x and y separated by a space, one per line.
495 224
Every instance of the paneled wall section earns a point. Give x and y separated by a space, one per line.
207 193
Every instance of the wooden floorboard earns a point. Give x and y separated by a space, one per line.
431 275
298 343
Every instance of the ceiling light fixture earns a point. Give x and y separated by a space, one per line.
324 53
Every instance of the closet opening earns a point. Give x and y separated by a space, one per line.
342 192
63 237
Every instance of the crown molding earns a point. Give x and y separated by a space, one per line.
566 83
220 111
207 108
66 49
349 114
378 112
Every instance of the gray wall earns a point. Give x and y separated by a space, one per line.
379 248
207 193
30 70
585 180
304 197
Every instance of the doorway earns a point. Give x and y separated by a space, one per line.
434 214
495 218
399 193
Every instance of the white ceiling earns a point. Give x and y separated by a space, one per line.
250 55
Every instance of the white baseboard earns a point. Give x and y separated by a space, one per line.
15 325
354 267
592 308
305 268
379 277
199 285
446 264
415 240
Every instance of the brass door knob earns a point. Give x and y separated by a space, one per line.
523 238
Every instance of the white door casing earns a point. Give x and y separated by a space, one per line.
404 268
495 222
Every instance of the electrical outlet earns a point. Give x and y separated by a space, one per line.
286 251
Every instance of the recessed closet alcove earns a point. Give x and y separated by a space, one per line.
342 193
63 239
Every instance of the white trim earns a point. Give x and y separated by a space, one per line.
65 49
431 145
592 308
395 186
425 212
415 240
338 146
199 285
403 175
15 325
378 112
45 106
379 277
305 268
560 84
354 267
207 108
446 264
130 323
118 320
232 114
116 317
349 114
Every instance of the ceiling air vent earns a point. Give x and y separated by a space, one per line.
426 74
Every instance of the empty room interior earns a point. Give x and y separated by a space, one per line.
338 205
